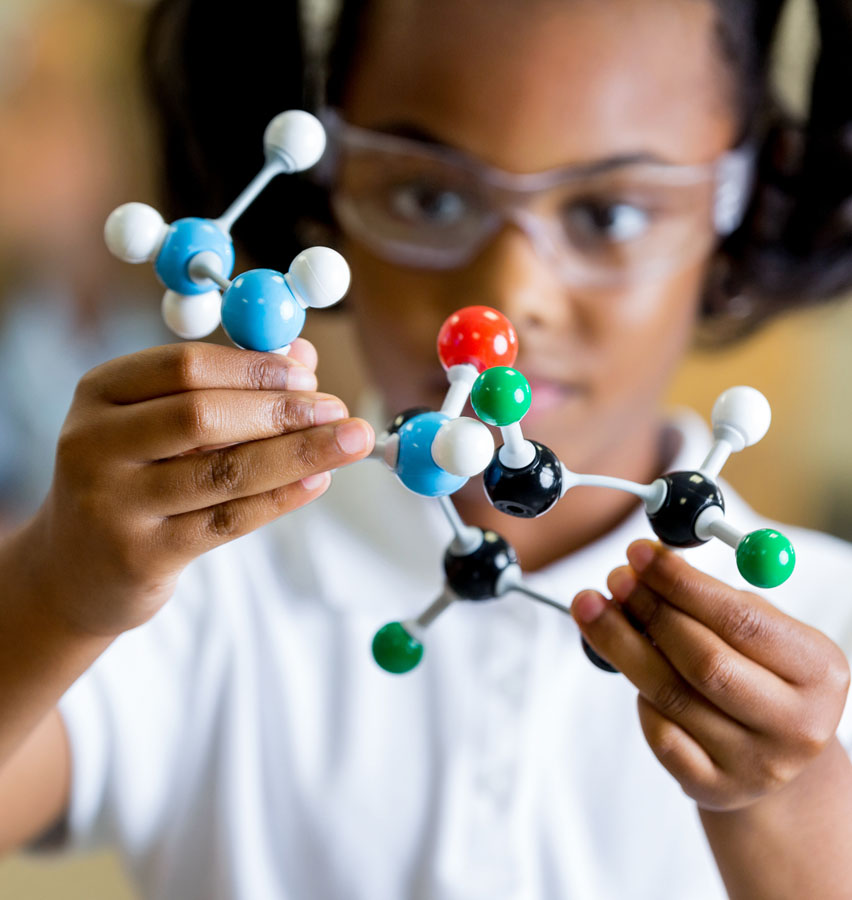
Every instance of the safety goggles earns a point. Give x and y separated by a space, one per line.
424 206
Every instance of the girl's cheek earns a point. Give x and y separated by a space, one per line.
659 304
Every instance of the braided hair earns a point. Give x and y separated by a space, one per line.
793 247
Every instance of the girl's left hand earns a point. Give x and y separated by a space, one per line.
735 697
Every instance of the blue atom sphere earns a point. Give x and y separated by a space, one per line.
415 467
259 312
185 239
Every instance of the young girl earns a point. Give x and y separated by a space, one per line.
216 714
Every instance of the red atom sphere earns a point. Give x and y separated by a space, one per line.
477 335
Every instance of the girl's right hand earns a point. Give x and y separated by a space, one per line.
169 452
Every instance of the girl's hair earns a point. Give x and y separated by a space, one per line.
219 71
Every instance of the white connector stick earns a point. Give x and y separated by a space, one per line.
467 537
461 378
250 193
653 495
712 523
516 451
207 266
512 580
387 450
292 142
416 627
716 459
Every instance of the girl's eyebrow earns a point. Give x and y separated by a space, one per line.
424 136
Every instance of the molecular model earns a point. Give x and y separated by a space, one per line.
434 454
260 309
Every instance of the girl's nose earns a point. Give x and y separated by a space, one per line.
510 275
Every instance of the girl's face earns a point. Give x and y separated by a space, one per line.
527 87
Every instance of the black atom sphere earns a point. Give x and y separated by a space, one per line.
599 661
527 492
688 495
474 576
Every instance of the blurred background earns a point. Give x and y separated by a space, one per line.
75 141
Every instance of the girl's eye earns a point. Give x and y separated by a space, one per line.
427 203
615 222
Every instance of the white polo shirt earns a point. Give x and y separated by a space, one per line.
243 744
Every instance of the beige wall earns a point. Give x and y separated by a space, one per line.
800 471
95 877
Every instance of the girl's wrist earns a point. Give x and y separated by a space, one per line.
791 843
792 809
34 594
73 585
41 653
799 791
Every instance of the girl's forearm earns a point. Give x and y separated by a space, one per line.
41 655
794 843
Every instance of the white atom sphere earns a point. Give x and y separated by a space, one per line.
297 137
135 232
463 447
320 276
192 317
743 410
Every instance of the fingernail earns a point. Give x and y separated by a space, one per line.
326 411
640 555
589 606
300 378
312 482
352 437
622 584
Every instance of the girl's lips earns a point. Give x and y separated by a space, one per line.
548 395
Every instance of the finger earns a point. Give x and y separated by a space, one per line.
192 366
303 351
166 426
679 753
195 532
742 619
611 635
745 690
202 480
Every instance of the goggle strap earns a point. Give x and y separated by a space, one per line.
733 189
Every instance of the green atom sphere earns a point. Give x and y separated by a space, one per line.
395 650
765 558
501 396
